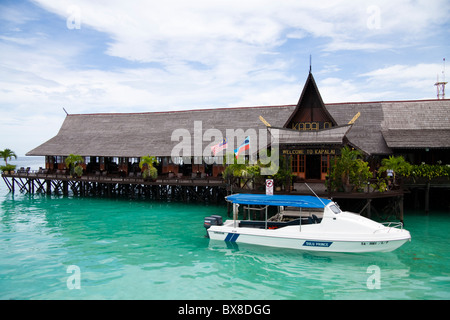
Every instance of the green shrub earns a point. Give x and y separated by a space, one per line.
349 172
8 167
430 171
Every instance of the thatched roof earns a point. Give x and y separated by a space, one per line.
420 138
139 134
334 135
381 127
419 124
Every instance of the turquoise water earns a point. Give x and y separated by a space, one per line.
141 249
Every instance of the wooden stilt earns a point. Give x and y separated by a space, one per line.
65 188
427 198
400 205
9 184
200 190
367 207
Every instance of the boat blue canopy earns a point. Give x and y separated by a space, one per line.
278 200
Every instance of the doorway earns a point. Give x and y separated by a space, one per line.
313 167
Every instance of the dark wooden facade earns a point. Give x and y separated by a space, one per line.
308 159
310 112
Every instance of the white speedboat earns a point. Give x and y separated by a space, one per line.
305 223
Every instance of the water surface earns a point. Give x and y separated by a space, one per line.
142 249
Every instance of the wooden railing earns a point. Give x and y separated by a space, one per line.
114 178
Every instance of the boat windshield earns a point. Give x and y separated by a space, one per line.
335 208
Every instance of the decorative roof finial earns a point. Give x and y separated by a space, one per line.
310 63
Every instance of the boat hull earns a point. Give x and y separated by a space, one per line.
299 241
297 226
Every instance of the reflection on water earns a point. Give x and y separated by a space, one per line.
317 275
137 249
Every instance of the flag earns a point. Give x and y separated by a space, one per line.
244 146
219 147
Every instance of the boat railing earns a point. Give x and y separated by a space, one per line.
391 224
250 208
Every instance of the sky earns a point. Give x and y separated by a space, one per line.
101 56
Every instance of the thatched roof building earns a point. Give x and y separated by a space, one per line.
139 134
382 128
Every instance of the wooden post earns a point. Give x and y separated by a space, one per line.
65 188
367 207
8 184
427 198
400 205
288 178
48 186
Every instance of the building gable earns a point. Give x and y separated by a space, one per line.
310 112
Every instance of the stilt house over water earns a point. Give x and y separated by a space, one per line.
310 134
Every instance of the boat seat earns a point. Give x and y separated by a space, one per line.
315 219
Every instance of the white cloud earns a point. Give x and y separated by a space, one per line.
216 32
413 77
164 31
339 90
395 82
171 55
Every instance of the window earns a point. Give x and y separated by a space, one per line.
335 209
294 163
298 163
301 163
324 163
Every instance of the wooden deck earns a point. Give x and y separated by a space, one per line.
200 189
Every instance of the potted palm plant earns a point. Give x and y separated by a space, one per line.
73 162
149 172
349 172
7 154
397 166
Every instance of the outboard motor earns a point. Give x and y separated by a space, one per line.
218 219
213 220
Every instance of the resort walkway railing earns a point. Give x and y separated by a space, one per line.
115 178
